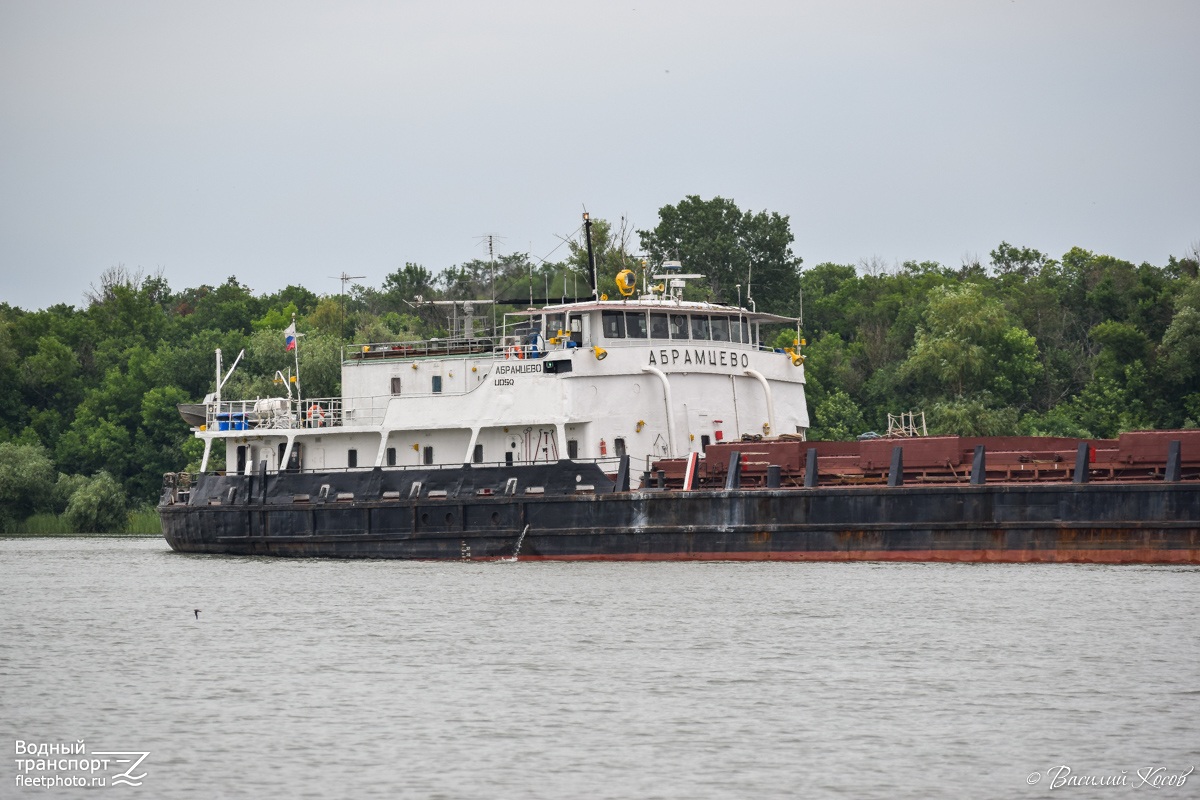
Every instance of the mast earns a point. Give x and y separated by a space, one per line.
296 351
593 278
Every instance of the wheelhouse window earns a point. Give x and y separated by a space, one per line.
679 326
720 328
554 324
529 326
735 330
659 327
613 323
635 324
699 327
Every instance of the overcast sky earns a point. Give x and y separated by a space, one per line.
286 142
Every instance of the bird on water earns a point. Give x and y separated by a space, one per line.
197 613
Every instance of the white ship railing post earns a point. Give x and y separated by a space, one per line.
207 450
287 452
467 459
753 373
669 405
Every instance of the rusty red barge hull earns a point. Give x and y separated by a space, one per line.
571 511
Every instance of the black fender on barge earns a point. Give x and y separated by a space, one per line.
570 511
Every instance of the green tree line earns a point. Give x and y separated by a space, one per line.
1084 345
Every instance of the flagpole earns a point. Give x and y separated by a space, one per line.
296 350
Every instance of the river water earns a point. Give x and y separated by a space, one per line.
321 678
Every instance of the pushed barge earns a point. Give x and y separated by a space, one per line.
1099 502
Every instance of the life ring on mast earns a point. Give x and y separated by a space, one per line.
317 413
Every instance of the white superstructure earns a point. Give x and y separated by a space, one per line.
650 376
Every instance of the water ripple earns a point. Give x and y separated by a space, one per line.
315 678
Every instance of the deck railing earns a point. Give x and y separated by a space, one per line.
281 413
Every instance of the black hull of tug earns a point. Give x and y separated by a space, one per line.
483 516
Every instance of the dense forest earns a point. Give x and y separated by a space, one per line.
1082 345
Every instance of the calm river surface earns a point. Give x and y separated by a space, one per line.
316 678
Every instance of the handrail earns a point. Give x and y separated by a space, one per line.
281 413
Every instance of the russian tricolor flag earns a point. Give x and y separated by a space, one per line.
290 333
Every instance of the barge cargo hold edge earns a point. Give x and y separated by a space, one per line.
290 515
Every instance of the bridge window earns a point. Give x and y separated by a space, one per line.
554 324
679 326
614 324
659 328
720 328
700 327
635 324
743 327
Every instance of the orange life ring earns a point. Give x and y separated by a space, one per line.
316 412
514 352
